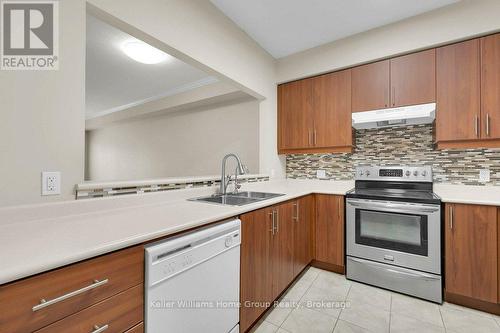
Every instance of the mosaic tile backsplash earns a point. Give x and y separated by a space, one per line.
407 145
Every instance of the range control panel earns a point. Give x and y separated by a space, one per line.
395 173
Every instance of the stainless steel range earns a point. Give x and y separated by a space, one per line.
394 231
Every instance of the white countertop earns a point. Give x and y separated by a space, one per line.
467 194
37 238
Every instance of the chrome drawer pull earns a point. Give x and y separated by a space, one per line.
44 303
98 329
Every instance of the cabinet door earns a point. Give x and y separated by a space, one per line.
471 251
370 86
332 110
302 221
490 86
413 79
295 115
329 229
283 248
255 269
458 94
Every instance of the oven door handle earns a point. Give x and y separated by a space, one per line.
391 205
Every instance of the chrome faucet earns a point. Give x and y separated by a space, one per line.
225 181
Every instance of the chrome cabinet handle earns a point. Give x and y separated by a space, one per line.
310 137
44 303
314 137
98 329
487 124
272 223
296 217
451 217
476 125
393 96
340 215
277 221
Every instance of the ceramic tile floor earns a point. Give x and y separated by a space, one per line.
314 304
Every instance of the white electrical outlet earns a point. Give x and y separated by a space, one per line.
320 174
484 175
51 183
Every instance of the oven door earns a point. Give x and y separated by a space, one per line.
398 233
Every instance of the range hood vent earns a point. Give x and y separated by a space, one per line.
407 115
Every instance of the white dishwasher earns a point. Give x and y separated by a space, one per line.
193 281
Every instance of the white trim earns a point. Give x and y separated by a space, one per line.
177 90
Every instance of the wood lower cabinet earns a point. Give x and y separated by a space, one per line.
256 270
303 218
329 231
282 248
471 251
275 248
102 277
118 314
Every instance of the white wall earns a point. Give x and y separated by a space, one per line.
42 118
186 143
459 21
197 32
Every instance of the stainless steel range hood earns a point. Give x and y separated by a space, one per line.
407 115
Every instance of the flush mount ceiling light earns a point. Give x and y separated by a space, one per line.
144 53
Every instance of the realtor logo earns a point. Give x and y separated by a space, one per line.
30 35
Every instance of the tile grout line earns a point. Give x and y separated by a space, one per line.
288 315
390 313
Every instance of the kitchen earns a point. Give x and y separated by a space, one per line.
358 189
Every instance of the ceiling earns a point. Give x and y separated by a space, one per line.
115 82
284 27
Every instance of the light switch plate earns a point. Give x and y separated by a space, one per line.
51 183
484 175
320 174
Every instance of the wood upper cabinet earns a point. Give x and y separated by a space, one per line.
295 121
413 79
400 81
314 115
329 230
458 91
256 266
471 254
490 86
370 86
332 110
303 217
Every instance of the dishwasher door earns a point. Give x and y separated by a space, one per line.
192 281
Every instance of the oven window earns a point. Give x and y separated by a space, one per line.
392 231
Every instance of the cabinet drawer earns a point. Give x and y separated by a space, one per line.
113 315
68 290
137 329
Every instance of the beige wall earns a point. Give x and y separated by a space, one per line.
187 143
42 118
455 22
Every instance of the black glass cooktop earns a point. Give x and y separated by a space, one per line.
418 193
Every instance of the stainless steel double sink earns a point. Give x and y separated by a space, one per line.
237 199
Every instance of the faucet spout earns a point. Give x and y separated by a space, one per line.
223 180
